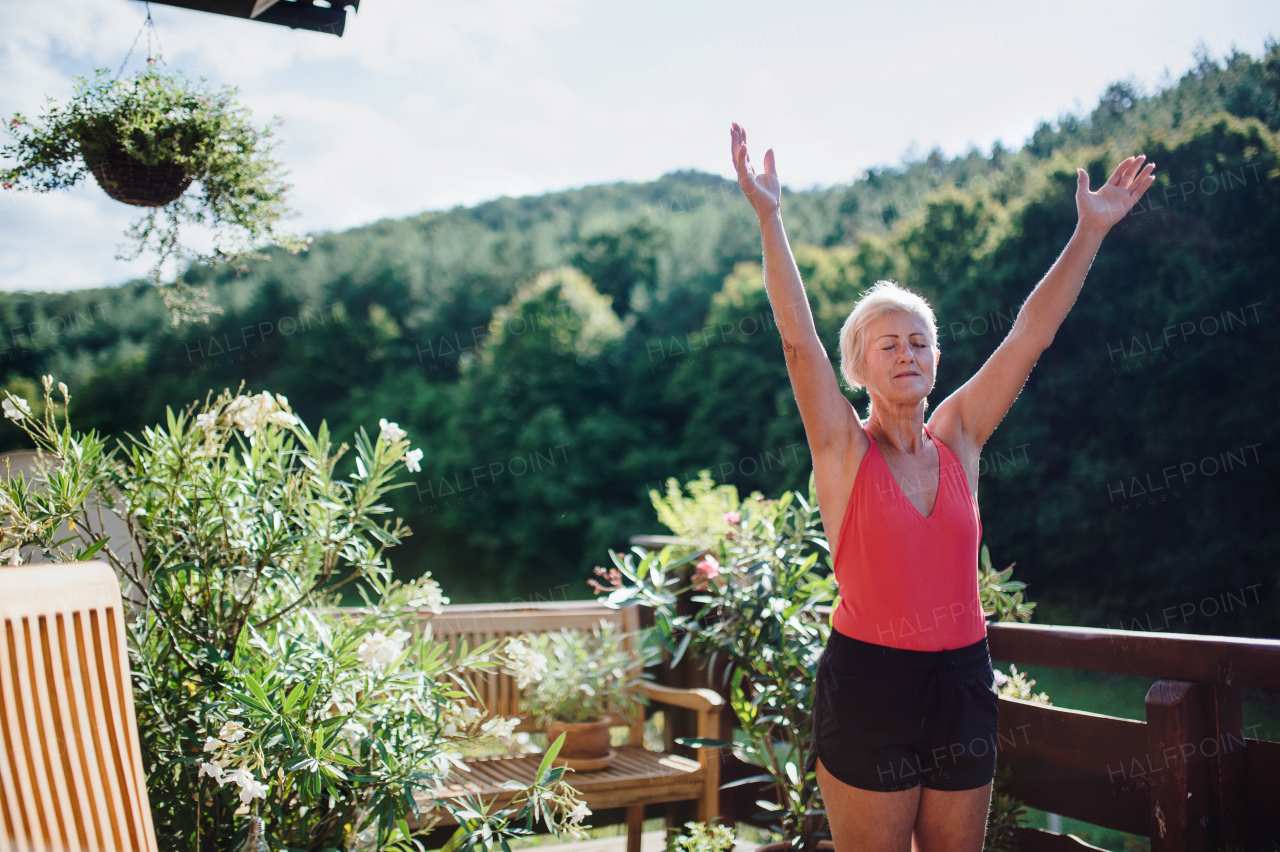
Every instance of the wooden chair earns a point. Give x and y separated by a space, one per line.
637 777
71 773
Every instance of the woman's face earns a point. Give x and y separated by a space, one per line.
900 364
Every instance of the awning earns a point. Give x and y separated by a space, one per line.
318 15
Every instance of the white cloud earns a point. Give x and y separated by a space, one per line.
426 105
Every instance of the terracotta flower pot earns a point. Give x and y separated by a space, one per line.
134 182
586 745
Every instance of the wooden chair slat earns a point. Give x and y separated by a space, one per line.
100 711
18 769
71 774
50 730
32 736
66 724
75 669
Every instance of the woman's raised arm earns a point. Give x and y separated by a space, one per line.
828 417
982 402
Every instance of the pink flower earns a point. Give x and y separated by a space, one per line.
732 517
707 571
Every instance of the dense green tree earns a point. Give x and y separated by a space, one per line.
603 339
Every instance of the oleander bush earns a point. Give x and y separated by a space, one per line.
256 694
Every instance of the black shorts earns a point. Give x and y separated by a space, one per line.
889 719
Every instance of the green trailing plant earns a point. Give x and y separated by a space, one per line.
256 693
163 121
583 677
704 837
762 590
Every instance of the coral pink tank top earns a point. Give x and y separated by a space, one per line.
908 581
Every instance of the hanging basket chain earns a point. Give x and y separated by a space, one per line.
149 27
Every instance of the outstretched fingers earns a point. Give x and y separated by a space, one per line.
738 148
1118 174
1134 169
1143 182
1125 171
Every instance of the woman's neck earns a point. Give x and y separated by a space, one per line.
898 426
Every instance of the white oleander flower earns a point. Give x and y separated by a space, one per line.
428 595
213 770
390 431
411 460
213 744
499 727
282 418
12 556
16 408
207 421
250 787
1001 677
232 732
578 814
527 665
378 650
459 719
249 413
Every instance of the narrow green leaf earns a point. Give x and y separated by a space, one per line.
547 758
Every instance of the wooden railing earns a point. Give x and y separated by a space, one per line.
1189 777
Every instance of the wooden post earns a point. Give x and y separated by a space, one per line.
1179 717
1226 762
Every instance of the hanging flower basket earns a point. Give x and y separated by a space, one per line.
147 139
132 181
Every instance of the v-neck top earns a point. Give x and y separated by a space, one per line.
906 580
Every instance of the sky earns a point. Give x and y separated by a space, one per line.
426 105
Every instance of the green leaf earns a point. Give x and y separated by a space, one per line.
89 552
547 758
293 697
258 692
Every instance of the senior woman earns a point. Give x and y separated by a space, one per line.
904 716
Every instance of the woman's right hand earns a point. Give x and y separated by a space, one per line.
763 190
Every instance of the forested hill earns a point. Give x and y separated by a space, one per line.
557 356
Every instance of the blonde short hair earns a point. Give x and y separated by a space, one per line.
884 297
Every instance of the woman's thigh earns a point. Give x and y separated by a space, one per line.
952 820
868 820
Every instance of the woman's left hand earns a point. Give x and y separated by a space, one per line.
1112 202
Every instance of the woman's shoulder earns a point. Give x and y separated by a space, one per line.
948 431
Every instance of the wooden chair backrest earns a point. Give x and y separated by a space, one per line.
71 774
479 623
